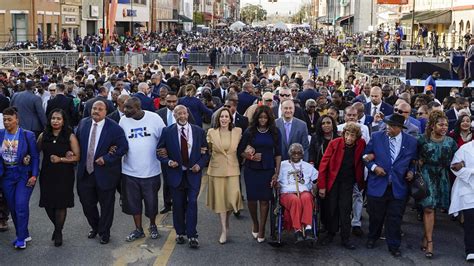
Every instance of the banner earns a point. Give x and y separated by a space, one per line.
111 20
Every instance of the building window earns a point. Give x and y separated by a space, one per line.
141 2
20 27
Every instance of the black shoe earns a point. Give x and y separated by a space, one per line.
92 234
370 244
308 233
104 240
193 242
237 214
166 209
348 244
299 237
395 252
327 239
180 240
357 231
58 239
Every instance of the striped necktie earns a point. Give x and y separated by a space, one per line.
393 151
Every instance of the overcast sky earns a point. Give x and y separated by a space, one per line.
281 6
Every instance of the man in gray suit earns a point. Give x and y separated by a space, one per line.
404 109
30 108
293 130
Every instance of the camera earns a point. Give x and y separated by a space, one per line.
314 51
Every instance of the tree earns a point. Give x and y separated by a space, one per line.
301 15
251 13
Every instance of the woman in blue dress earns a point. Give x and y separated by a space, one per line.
260 147
436 150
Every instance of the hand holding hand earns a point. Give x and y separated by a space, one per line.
55 159
112 150
369 157
379 171
457 166
31 181
196 168
100 161
69 155
162 152
257 157
172 164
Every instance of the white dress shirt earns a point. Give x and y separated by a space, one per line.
100 126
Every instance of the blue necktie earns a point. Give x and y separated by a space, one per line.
287 131
170 118
393 151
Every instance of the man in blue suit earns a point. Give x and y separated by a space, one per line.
246 98
185 153
376 105
142 95
389 156
102 143
292 129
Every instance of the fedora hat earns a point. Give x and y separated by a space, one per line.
396 120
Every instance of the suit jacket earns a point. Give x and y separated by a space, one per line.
107 175
217 93
115 115
164 115
245 101
385 108
90 102
379 145
299 113
169 141
307 94
241 121
147 102
4 103
451 118
332 161
26 146
196 108
30 109
298 134
62 102
222 162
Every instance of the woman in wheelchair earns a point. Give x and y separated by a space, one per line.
295 181
340 168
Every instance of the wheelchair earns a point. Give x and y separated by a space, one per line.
276 221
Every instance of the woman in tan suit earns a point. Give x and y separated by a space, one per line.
224 195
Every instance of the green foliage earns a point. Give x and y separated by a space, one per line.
251 13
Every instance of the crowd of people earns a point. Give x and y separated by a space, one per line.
115 128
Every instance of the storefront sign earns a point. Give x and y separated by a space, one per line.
94 11
70 19
129 12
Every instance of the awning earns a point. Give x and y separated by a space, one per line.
345 20
184 19
138 25
429 17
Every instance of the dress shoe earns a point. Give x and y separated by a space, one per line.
3 226
237 214
370 244
470 257
166 209
348 244
180 240
92 234
308 233
395 252
254 235
357 231
58 238
299 238
104 240
193 243
260 240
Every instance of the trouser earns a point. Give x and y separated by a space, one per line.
339 207
389 210
4 212
185 207
167 199
357 205
18 196
89 195
469 230
298 210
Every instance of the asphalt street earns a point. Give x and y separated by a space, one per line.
241 248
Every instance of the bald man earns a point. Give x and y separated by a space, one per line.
118 113
376 105
142 95
404 109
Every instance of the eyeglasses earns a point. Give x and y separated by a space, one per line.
400 111
285 95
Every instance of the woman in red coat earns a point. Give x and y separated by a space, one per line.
340 168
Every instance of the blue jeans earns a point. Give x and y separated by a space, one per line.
18 196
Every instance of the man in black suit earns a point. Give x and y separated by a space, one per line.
453 113
102 144
61 101
118 113
103 93
246 97
309 92
222 91
285 94
239 120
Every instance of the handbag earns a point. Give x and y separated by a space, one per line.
418 186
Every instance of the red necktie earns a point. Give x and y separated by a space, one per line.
184 148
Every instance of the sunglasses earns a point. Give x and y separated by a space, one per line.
400 111
285 95
268 100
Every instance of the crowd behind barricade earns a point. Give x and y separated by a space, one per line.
115 128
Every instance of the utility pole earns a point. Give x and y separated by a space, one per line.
371 21
131 15
413 24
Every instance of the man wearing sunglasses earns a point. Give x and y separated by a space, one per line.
404 109
285 94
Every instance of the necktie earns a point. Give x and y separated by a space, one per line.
287 131
392 149
223 94
90 150
184 148
170 118
374 112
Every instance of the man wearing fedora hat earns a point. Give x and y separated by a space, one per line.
389 156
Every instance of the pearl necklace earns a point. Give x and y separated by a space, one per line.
262 131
